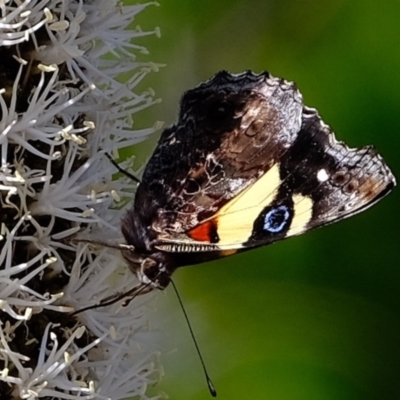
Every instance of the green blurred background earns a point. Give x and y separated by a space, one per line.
316 316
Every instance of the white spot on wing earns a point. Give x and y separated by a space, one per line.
322 175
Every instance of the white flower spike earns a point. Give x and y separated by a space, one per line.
61 109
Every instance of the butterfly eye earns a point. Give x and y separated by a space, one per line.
156 273
150 268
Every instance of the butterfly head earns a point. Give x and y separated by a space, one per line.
151 270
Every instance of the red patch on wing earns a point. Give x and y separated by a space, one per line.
206 232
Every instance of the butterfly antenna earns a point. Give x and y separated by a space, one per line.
210 385
123 171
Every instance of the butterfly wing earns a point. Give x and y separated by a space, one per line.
248 164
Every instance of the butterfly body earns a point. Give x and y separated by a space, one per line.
246 164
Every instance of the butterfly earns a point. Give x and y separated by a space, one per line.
246 164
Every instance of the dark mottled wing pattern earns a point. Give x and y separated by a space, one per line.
340 181
247 164
229 132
